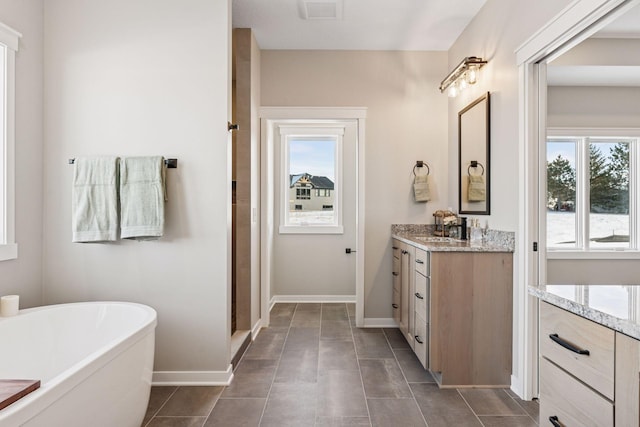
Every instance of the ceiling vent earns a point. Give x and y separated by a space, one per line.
321 9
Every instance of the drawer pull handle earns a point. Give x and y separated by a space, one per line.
419 261
394 247
555 338
554 421
419 296
417 337
394 305
394 273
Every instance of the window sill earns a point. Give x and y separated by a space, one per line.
311 229
602 254
8 252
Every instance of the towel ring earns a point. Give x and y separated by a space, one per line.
474 165
420 164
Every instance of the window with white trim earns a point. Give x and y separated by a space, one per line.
8 48
591 193
311 185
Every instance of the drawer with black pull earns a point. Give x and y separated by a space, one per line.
581 347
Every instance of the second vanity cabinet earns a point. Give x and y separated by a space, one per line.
589 374
455 311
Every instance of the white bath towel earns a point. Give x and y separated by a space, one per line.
94 210
421 190
477 189
142 197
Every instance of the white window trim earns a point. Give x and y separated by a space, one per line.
8 246
316 130
582 197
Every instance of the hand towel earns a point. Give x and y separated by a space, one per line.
142 197
421 188
94 210
477 191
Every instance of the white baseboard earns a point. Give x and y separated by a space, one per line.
199 378
311 298
383 322
516 386
256 330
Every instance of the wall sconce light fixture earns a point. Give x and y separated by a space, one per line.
466 73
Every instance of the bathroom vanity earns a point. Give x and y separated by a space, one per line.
452 301
589 355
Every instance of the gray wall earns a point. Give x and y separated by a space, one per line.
145 78
23 276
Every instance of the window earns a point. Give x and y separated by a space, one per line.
311 159
591 205
8 48
303 194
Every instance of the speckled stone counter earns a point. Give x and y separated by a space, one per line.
613 306
419 234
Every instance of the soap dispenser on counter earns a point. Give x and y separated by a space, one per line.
462 228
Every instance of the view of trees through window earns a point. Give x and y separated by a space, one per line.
605 183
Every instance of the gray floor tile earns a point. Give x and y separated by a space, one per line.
508 421
302 339
395 412
351 309
191 402
340 394
413 370
443 407
343 422
337 355
236 412
283 308
491 402
396 339
366 330
372 346
159 395
253 378
309 306
335 312
298 366
531 407
291 405
306 319
177 422
335 330
268 344
383 378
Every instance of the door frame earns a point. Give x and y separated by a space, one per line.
572 25
269 117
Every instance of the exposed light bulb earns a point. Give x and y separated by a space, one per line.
462 83
453 90
471 76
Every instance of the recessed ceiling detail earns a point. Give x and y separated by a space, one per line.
321 9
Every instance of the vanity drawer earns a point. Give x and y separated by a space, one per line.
595 368
421 341
422 262
421 295
573 403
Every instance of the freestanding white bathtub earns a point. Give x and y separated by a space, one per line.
94 361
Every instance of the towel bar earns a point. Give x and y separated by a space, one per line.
170 163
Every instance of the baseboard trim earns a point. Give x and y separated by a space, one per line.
516 386
382 322
198 378
311 298
256 330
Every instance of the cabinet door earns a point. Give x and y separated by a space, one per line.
627 381
406 279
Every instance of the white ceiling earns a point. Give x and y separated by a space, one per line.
365 24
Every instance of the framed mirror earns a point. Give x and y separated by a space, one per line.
473 158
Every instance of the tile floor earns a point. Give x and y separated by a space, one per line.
313 367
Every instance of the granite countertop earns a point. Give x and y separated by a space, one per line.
421 236
614 306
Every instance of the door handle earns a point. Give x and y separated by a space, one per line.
394 305
419 261
419 296
349 250
394 273
417 337
554 421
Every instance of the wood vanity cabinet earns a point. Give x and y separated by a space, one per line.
589 374
460 314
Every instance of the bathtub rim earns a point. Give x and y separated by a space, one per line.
68 379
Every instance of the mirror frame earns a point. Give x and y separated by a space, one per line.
484 103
